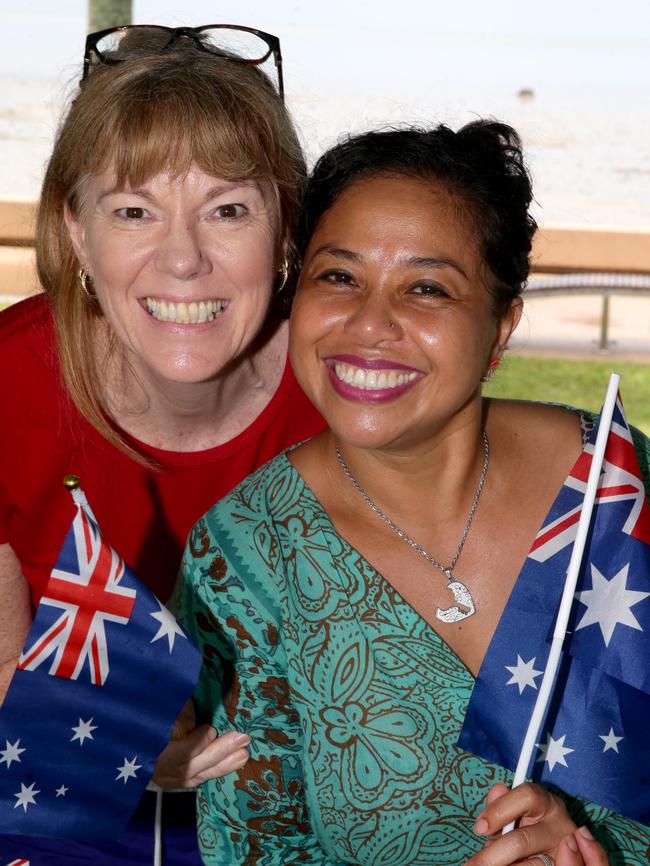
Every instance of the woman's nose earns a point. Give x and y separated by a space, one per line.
181 253
373 321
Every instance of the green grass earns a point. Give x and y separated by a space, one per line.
579 383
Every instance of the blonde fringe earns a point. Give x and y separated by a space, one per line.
146 115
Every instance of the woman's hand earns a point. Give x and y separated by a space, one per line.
543 827
194 755
592 852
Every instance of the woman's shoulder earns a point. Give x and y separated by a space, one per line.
257 496
30 379
535 425
542 427
537 411
234 552
24 316
27 335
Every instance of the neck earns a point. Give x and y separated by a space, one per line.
443 471
194 416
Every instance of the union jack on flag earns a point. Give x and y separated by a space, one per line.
89 594
594 740
619 482
105 672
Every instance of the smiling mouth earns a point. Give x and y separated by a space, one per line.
372 380
194 313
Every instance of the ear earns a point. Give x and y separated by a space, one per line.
506 325
77 236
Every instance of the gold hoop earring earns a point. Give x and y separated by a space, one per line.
86 288
284 271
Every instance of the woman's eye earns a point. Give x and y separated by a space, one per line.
336 278
133 213
432 290
230 211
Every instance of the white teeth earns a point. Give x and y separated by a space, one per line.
371 380
186 314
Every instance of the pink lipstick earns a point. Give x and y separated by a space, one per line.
370 381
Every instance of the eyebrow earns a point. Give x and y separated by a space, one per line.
437 262
213 192
433 262
220 189
338 252
142 193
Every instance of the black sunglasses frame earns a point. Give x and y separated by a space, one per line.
192 33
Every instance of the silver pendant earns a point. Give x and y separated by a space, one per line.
462 595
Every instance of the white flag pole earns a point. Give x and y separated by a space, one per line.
568 594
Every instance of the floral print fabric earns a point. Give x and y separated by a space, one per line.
353 703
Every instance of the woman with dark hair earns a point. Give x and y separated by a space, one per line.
154 365
362 574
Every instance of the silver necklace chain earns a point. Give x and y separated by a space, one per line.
460 591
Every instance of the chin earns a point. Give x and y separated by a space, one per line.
193 374
368 438
189 367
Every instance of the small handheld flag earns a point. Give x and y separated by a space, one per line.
591 739
103 675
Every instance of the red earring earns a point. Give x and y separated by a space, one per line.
494 363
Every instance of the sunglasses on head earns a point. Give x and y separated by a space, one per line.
240 44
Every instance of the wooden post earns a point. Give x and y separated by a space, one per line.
604 323
108 13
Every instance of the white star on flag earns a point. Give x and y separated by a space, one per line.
83 731
128 769
611 740
10 753
553 751
26 796
62 791
609 602
523 673
169 628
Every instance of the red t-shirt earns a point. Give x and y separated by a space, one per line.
145 514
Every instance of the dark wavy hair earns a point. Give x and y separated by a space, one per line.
482 163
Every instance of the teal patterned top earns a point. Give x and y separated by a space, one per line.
353 702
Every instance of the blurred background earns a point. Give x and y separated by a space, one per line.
572 76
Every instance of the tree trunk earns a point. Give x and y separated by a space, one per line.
108 13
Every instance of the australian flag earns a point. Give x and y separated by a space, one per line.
595 740
104 673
